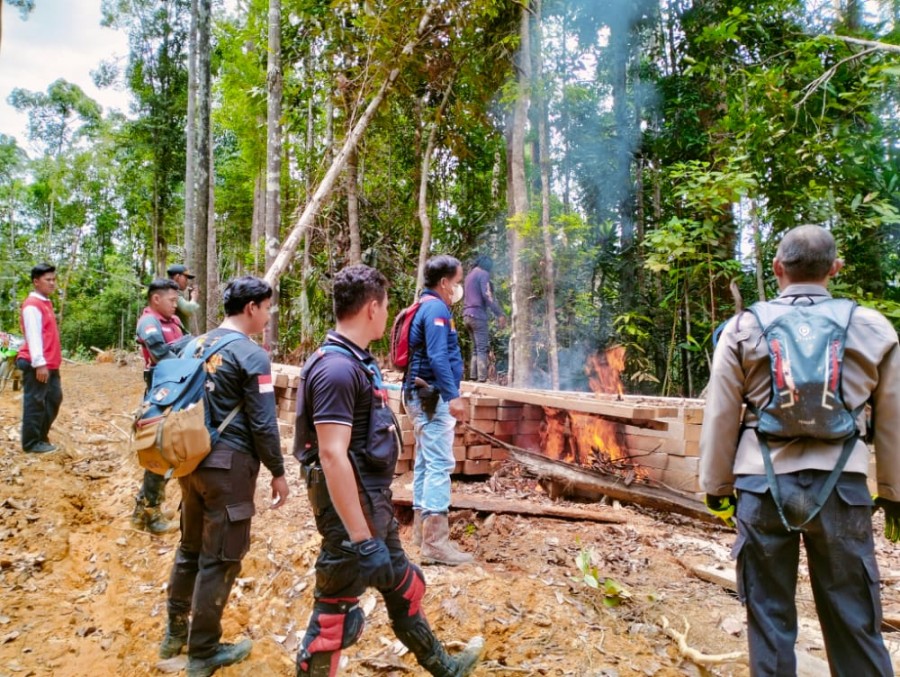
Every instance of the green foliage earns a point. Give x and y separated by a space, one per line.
611 592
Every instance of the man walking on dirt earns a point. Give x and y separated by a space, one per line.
39 360
346 439
810 487
187 307
217 498
432 400
159 332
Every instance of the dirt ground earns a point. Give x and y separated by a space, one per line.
82 593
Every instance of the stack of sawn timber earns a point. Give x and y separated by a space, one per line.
511 422
660 435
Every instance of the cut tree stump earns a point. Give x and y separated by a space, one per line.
519 507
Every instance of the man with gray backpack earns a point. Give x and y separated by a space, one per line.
792 467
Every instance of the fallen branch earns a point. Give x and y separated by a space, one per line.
874 44
694 655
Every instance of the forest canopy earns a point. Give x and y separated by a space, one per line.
629 165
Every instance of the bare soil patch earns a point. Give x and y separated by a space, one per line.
82 593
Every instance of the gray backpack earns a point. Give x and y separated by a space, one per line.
806 344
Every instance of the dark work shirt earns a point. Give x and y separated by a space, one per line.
478 295
339 391
241 373
434 343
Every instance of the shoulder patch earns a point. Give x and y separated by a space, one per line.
265 383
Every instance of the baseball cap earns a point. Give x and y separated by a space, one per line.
179 269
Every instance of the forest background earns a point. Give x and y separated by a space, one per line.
628 164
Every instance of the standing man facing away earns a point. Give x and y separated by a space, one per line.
838 538
479 299
187 307
349 462
39 360
217 498
159 332
433 402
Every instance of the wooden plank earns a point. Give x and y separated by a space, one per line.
495 504
575 402
724 577
477 466
478 452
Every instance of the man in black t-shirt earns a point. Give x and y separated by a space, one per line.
217 498
346 438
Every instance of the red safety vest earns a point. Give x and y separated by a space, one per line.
49 332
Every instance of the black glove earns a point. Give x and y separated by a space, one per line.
374 562
722 507
891 518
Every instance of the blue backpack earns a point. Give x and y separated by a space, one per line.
172 432
806 344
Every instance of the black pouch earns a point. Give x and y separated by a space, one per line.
317 489
383 445
428 397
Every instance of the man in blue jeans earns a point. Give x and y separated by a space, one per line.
432 399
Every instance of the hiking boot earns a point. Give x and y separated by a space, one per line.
175 637
156 523
150 518
417 528
226 654
41 448
436 545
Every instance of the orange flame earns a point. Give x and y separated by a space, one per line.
589 441
604 371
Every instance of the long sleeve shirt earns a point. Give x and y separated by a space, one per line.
42 346
729 448
479 297
434 343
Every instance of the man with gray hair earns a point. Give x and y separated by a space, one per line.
793 467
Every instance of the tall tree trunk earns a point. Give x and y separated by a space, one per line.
520 325
425 171
324 190
273 163
620 40
306 328
190 170
544 153
212 253
201 231
258 220
351 189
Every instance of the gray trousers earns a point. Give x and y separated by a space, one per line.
842 569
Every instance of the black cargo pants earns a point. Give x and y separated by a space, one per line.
216 511
40 404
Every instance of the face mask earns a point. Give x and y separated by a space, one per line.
457 294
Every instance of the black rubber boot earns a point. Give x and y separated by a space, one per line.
317 664
226 654
176 636
416 635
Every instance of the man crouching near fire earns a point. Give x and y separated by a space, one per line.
346 439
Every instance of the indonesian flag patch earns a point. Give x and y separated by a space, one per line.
440 322
265 383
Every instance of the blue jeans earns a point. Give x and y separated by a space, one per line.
842 570
40 404
434 455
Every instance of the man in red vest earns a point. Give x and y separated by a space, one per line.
161 336
39 361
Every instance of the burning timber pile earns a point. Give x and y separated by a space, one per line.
637 449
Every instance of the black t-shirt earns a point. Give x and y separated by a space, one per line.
338 390
242 373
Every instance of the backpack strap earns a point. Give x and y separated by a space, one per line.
847 308
374 374
422 348
207 352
